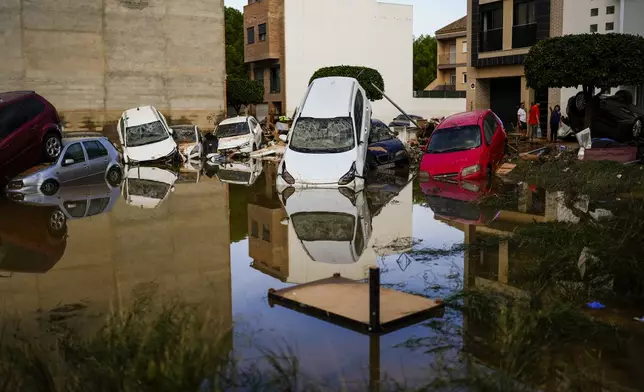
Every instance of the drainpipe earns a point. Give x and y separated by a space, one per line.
622 6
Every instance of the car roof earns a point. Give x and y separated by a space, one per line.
80 138
183 126
464 118
376 121
9 96
140 115
235 120
329 97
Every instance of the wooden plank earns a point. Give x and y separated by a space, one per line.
506 168
350 300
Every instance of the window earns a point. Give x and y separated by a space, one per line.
610 26
9 120
97 206
94 150
593 28
489 128
524 13
250 33
454 139
253 124
357 113
594 11
464 46
75 152
259 75
32 107
322 135
266 233
232 129
276 82
491 36
464 77
140 135
452 78
610 10
76 209
452 54
254 229
261 32
524 30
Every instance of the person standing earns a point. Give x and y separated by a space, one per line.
522 118
534 121
555 122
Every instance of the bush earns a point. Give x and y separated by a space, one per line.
364 75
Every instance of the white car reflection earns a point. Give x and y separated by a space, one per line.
240 172
147 186
190 172
333 226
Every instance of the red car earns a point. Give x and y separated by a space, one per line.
30 132
465 146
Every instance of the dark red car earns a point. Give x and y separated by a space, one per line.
30 132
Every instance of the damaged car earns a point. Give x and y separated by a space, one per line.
146 137
240 172
147 186
385 150
189 141
239 134
327 145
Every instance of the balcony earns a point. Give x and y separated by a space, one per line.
491 40
448 60
524 36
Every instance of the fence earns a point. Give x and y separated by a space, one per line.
439 94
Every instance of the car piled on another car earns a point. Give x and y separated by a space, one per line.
385 149
189 141
239 134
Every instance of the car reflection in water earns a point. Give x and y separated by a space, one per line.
148 186
240 172
190 172
454 201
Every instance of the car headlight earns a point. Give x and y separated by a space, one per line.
470 170
287 176
16 196
349 176
247 144
400 153
18 184
423 176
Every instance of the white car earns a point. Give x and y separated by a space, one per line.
189 141
327 145
145 136
239 134
333 225
240 172
147 187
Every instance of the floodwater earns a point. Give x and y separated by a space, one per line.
225 237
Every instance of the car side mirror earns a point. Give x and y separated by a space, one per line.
283 138
68 162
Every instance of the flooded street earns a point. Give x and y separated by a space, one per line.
222 244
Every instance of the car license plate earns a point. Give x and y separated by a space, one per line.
387 166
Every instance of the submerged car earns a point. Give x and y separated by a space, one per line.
239 134
189 141
465 146
146 186
385 149
455 201
327 145
613 116
145 136
30 132
403 121
83 160
240 172
333 225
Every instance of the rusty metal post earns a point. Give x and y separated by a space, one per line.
374 299
397 107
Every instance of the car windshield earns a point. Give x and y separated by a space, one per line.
184 135
379 133
232 129
323 226
323 135
140 135
455 139
147 188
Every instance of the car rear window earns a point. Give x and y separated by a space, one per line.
231 130
323 226
455 139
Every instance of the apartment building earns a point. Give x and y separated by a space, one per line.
451 58
501 33
286 41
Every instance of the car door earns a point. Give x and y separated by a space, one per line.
497 145
14 138
74 165
97 157
252 124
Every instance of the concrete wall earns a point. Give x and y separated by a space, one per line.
356 32
96 58
432 107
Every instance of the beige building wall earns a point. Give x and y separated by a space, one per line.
95 58
443 76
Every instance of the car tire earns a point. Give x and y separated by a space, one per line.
57 225
114 176
52 146
581 102
49 187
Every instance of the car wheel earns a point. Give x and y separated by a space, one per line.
52 147
49 187
114 176
57 226
637 128
489 176
580 101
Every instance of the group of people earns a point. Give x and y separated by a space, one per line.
532 119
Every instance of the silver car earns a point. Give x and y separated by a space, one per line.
82 161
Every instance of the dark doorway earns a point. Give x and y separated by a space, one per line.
541 96
505 97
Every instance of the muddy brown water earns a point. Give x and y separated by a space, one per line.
211 240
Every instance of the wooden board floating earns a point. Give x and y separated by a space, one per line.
505 169
347 302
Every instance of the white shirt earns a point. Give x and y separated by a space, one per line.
522 115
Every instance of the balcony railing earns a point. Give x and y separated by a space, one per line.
440 93
524 36
447 59
491 40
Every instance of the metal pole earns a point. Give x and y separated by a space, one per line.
397 107
374 299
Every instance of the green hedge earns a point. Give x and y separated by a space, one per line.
365 77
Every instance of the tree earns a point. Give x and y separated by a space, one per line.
364 75
424 61
588 60
243 92
235 66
